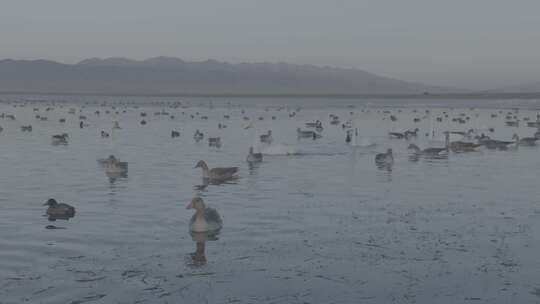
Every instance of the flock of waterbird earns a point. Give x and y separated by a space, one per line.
472 139
207 219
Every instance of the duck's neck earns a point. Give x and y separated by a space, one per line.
199 215
205 169
200 224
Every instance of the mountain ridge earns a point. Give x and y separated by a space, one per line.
174 76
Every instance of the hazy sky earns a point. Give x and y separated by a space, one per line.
465 43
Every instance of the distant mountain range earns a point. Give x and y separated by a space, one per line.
530 88
173 76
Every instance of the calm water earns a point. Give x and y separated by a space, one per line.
323 226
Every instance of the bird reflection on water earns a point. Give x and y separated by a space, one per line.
198 258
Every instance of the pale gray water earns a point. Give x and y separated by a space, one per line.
326 226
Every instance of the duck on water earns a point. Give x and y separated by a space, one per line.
59 210
307 134
460 146
205 219
267 138
384 158
114 167
217 174
254 157
525 141
60 139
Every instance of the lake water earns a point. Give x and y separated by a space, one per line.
315 222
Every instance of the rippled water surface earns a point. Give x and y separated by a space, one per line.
315 222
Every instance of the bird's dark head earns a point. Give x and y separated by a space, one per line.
51 202
201 164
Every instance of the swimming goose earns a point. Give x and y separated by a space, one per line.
214 142
26 128
411 133
114 166
526 141
460 146
175 134
198 135
396 135
267 138
104 134
428 151
384 158
205 219
307 134
495 144
316 124
60 139
59 210
254 157
218 174
513 123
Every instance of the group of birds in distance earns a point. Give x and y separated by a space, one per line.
208 220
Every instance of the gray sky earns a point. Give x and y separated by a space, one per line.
476 44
